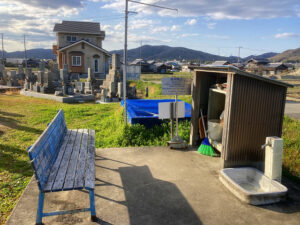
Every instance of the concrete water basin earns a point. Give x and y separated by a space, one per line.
252 186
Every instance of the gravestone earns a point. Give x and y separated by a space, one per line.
42 66
120 90
88 88
64 77
55 72
12 79
48 83
40 77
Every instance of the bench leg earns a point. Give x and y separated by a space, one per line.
39 214
92 206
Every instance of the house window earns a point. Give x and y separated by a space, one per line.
76 60
71 38
96 65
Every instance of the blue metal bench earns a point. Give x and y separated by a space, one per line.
64 160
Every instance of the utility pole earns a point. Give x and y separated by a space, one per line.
125 63
2 49
25 52
239 52
141 57
125 49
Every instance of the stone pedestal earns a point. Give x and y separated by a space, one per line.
88 88
64 76
40 77
120 90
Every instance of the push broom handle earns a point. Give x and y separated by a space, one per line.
203 123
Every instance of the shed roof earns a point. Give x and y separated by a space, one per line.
219 63
234 70
78 27
275 65
260 61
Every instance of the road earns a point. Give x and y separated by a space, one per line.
292 109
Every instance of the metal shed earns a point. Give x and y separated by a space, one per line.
253 110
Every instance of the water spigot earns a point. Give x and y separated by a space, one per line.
265 145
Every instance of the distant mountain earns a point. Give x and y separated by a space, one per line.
37 53
292 55
262 56
163 52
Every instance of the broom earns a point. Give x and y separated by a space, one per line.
205 147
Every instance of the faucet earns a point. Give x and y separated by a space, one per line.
265 145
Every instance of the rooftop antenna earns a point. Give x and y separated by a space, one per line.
239 56
25 52
2 49
125 48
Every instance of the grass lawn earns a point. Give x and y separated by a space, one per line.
154 77
294 92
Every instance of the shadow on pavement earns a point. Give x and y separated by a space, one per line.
154 201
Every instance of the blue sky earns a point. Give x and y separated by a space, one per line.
214 26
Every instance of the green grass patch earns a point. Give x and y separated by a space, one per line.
155 91
291 154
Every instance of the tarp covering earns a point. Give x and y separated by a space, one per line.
145 111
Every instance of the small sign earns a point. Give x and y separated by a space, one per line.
164 110
133 72
176 86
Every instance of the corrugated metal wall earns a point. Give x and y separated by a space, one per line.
254 110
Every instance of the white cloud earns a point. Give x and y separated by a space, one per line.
211 26
139 24
118 27
190 35
191 22
215 36
160 29
175 28
217 9
286 35
105 27
35 18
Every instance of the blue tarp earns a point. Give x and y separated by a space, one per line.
145 111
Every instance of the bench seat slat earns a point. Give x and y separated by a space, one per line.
90 165
56 165
80 171
71 172
60 177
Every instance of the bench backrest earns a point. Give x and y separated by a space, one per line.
44 151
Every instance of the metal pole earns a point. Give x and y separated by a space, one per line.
25 52
141 59
176 113
2 49
172 119
125 62
239 53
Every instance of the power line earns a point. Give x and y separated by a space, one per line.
156 6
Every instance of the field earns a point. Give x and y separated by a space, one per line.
294 92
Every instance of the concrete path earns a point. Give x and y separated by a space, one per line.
292 109
157 186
